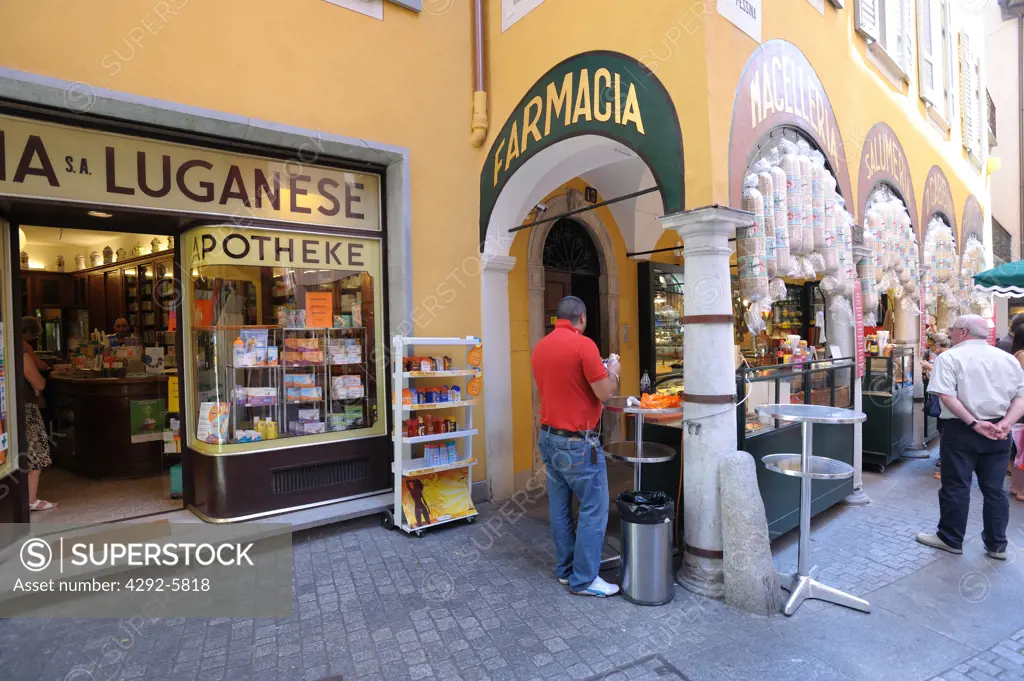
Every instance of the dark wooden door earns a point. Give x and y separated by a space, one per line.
557 285
114 293
97 302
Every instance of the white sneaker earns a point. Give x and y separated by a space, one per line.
564 581
933 540
599 588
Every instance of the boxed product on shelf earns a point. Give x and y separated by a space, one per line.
308 415
301 344
303 357
299 380
255 396
346 387
304 394
247 436
307 427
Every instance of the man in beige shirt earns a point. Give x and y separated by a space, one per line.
982 393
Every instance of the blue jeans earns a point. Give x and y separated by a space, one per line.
571 470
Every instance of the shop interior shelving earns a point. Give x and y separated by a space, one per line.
407 466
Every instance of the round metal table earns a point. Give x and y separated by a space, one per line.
638 452
808 467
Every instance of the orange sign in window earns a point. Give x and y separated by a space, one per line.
319 309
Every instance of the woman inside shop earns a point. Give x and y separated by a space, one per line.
937 344
38 442
1016 474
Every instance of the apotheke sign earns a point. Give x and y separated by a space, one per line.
229 245
41 160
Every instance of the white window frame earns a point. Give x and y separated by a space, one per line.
973 139
888 29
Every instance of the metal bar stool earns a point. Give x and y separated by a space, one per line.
802 584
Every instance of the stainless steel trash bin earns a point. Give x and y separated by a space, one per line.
646 521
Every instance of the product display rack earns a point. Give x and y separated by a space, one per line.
274 376
405 466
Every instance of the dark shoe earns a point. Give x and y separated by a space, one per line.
997 555
933 540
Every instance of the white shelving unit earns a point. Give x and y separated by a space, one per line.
405 466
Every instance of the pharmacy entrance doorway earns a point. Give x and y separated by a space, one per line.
97 309
572 267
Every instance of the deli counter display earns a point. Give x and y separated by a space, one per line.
660 309
888 401
826 382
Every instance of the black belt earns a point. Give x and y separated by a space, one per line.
571 433
562 433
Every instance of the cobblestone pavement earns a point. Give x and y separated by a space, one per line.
479 602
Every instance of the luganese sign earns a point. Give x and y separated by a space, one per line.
41 160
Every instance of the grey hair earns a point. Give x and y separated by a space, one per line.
976 325
571 308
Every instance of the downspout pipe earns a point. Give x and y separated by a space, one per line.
479 124
1020 134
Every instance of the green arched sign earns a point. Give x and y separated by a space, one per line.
595 93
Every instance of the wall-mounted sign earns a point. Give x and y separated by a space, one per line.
938 199
41 160
882 160
744 14
601 93
778 87
973 221
228 245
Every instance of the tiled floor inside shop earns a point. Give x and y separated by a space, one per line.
479 602
82 501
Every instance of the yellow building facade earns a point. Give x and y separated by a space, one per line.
586 100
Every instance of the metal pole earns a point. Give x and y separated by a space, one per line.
805 501
584 209
638 438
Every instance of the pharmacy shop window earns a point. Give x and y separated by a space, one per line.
285 355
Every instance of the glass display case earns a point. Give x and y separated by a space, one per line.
285 353
8 435
824 382
660 307
888 390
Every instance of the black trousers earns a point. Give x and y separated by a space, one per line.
964 453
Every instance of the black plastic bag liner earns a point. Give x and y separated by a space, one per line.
645 508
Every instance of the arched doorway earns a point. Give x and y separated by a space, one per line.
572 267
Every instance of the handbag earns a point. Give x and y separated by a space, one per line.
932 405
1017 432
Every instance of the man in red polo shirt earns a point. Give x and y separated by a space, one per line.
573 381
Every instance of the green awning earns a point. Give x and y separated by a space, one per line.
1006 280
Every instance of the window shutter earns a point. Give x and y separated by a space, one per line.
967 109
906 57
981 123
929 45
893 10
868 19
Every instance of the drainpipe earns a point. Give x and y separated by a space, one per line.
478 128
1020 132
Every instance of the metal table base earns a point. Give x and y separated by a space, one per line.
637 453
802 584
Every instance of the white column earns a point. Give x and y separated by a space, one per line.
497 373
858 497
709 429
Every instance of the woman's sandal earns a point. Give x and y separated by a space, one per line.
40 505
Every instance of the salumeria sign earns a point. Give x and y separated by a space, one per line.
41 160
